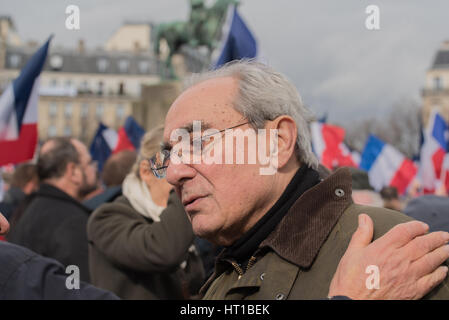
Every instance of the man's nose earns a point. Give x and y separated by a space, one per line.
178 172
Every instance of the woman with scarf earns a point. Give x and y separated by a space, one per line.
141 245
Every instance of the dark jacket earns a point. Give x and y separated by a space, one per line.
11 201
431 209
299 258
14 196
137 258
26 275
108 195
54 225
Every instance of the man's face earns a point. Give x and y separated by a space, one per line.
222 200
4 225
89 178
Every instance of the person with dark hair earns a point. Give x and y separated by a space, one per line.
54 222
24 181
117 167
114 173
390 198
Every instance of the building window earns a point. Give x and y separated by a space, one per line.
68 110
14 60
144 66
53 109
54 83
67 131
51 130
84 87
123 65
99 111
102 64
121 88
100 88
120 111
68 83
84 110
437 83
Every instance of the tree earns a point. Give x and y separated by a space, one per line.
401 128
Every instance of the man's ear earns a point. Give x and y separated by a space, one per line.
286 133
73 172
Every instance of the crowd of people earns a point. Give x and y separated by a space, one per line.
146 229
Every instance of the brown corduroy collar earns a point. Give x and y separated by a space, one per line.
306 226
301 233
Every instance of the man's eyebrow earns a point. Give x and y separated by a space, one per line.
189 128
204 126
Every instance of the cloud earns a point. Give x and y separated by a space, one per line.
322 46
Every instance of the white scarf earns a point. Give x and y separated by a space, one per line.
139 195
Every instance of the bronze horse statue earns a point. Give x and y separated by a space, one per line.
202 29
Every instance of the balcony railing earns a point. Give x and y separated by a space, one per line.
434 92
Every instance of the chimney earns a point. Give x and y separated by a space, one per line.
81 48
445 45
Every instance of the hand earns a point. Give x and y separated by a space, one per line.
409 262
4 225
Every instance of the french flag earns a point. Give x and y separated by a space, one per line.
237 41
108 141
18 112
432 153
328 145
386 166
445 173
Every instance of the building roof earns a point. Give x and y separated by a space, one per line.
99 61
441 59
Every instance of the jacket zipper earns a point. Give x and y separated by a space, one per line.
239 269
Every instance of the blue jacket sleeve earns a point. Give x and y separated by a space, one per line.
25 275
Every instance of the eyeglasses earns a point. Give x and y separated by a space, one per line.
159 162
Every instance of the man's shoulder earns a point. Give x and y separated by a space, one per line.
120 205
118 209
383 219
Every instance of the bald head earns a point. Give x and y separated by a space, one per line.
54 156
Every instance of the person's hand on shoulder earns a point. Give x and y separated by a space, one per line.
405 262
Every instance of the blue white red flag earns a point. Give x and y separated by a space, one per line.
107 141
386 166
328 145
18 111
237 41
432 153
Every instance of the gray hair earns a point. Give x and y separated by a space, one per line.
150 144
265 94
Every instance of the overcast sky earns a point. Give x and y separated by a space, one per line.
338 66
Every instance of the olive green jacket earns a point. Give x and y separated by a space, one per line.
299 258
138 258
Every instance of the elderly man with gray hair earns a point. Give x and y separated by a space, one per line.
287 234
